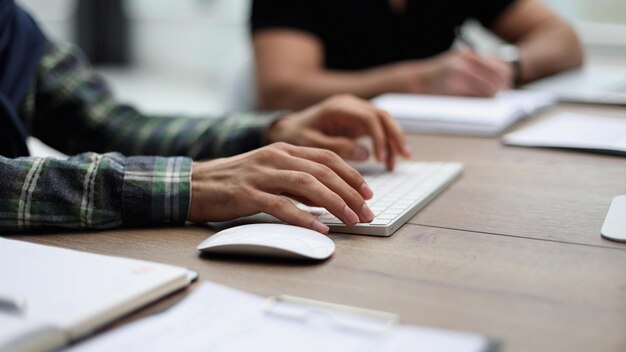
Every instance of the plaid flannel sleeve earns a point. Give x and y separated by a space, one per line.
93 191
72 109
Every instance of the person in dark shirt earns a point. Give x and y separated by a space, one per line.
308 50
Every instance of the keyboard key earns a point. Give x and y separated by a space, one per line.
398 193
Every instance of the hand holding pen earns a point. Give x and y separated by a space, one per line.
461 72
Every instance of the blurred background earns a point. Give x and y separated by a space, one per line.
193 56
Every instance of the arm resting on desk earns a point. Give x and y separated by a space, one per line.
93 191
72 109
547 44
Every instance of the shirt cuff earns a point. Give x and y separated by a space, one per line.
156 190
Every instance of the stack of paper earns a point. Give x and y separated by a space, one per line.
462 115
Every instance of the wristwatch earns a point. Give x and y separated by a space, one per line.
509 53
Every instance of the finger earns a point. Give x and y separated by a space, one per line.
304 201
392 131
344 147
390 162
481 62
286 211
305 185
395 133
486 70
477 85
364 113
334 183
335 163
505 70
502 69
389 148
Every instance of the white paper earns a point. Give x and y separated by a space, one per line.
19 334
568 130
217 318
464 115
77 291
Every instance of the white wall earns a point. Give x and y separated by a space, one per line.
204 36
209 37
601 24
55 15
197 46
605 11
201 35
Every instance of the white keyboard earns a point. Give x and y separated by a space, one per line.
398 195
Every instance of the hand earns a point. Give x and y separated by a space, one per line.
336 123
465 73
258 181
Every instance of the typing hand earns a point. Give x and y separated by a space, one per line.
256 181
337 123
465 73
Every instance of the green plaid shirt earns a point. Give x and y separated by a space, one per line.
72 109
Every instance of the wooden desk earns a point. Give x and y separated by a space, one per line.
511 250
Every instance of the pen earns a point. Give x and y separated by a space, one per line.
462 38
12 304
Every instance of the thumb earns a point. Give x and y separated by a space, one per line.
344 147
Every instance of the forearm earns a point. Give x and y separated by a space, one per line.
93 191
127 131
547 44
73 110
299 90
550 48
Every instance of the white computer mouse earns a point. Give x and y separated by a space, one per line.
273 240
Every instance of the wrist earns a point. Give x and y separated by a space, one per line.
275 131
193 185
198 188
510 54
401 77
415 76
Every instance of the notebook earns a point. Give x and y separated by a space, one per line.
576 131
68 294
463 115
217 318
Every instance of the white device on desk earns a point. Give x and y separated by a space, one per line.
274 240
589 85
614 227
398 195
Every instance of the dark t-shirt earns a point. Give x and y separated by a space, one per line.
359 34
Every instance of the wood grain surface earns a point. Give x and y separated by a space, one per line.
511 250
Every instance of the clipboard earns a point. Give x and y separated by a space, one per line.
218 318
337 315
